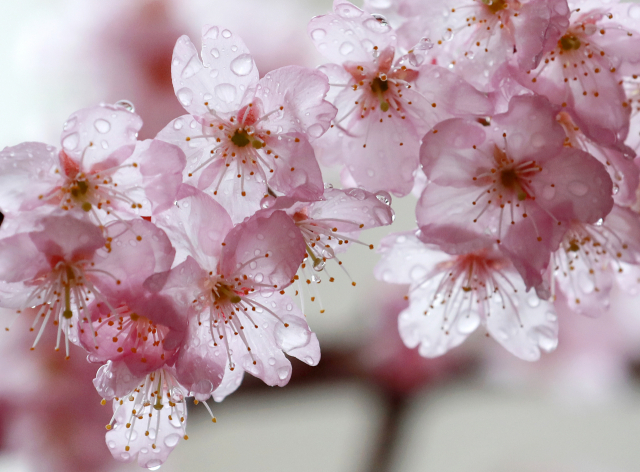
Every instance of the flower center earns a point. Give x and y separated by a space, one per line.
379 87
494 6
240 138
569 42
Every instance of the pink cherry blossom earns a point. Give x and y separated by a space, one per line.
232 284
591 257
245 135
127 324
329 224
489 181
385 105
451 296
583 73
51 268
619 163
150 422
99 170
475 37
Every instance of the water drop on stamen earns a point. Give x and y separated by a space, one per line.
127 105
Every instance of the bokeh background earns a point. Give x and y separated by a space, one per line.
371 404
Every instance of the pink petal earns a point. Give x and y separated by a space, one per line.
349 34
200 367
300 92
225 78
196 225
67 238
296 171
351 210
104 134
230 383
18 167
574 185
266 250
161 165
114 379
21 259
405 259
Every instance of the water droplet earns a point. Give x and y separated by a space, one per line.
226 92
154 464
346 48
71 142
172 440
384 197
294 336
418 273
127 105
318 34
533 301
315 130
346 10
192 68
376 25
448 35
272 361
424 44
215 53
212 33
185 95
178 124
242 65
70 124
111 444
634 12
370 172
125 456
226 34
577 188
103 126
616 189
328 186
283 372
600 222
468 323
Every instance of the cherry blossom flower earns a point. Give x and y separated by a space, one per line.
52 268
99 170
509 184
385 106
591 257
244 135
475 37
622 169
330 224
150 422
232 285
451 296
583 73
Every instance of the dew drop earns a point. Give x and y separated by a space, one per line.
294 336
346 48
215 53
127 105
272 361
315 130
71 142
185 95
178 124
172 440
70 124
346 10
376 25
468 324
577 188
283 373
212 33
192 68
242 65
318 34
103 126
226 34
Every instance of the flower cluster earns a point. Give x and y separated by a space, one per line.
531 208
168 261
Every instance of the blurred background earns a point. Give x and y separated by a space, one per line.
371 404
